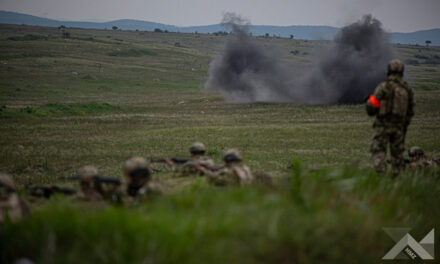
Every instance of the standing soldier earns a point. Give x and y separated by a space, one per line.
393 105
234 172
11 206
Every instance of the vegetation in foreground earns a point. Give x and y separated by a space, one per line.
150 103
328 215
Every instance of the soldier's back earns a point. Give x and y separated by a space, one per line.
231 175
243 174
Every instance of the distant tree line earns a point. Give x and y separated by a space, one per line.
218 33
221 33
158 30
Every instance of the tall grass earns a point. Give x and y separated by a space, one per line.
323 216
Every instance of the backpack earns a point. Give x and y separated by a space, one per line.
396 101
400 102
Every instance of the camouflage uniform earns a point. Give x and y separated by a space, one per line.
90 191
418 160
11 205
197 151
234 172
139 183
393 105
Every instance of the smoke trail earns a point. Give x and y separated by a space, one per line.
346 72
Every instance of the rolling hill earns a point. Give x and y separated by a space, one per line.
299 32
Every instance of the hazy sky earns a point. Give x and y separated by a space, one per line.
396 15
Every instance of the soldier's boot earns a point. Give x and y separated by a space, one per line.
397 164
379 162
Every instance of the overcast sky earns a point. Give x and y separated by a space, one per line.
396 15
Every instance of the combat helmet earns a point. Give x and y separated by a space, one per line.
7 183
232 155
197 148
87 175
395 67
137 169
415 151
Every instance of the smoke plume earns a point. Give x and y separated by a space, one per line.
353 66
246 71
346 71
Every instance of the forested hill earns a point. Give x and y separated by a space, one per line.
298 32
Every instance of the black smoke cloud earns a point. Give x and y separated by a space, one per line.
345 73
246 71
353 66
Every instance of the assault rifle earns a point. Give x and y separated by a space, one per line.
170 160
47 191
180 161
405 160
98 179
106 186
213 167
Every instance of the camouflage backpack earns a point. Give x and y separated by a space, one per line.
396 101
400 101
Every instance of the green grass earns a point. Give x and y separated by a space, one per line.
66 103
57 109
331 216
132 53
427 85
28 37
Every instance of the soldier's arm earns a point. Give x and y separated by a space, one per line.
373 102
217 178
379 92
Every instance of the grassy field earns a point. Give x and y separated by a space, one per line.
101 96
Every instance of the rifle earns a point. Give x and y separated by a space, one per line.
183 161
213 167
108 191
204 167
405 160
174 160
98 179
47 191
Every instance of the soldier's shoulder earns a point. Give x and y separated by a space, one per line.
381 87
241 169
405 85
245 168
